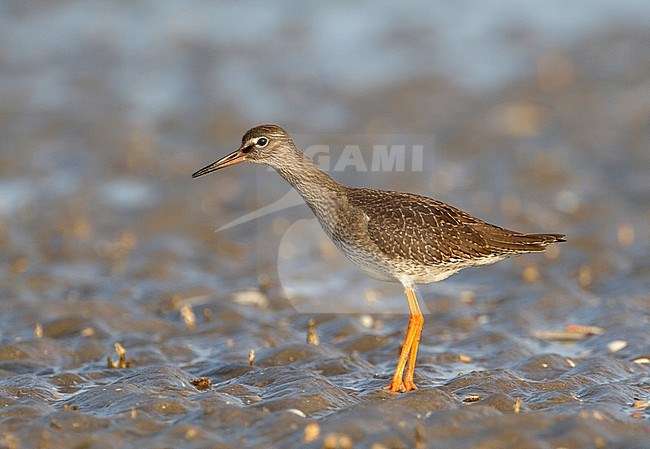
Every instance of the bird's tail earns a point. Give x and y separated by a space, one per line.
545 239
515 242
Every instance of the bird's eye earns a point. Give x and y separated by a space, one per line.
262 142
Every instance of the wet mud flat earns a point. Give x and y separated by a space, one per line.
128 322
481 385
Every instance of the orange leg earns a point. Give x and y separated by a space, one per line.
413 354
409 350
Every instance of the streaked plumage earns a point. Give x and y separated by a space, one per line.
392 236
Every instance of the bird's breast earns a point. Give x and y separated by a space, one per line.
367 261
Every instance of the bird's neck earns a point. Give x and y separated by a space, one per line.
321 193
310 181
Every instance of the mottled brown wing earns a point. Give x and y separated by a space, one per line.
431 232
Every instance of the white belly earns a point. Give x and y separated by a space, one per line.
369 263
407 273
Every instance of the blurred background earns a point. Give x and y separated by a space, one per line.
540 114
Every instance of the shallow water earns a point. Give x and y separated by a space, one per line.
105 239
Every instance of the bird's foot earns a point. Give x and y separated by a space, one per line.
409 384
401 387
395 388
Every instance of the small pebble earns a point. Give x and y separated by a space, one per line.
558 335
202 383
297 412
312 336
189 318
122 362
251 298
591 330
616 345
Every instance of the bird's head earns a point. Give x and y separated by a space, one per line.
264 144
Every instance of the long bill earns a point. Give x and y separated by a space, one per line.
233 158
